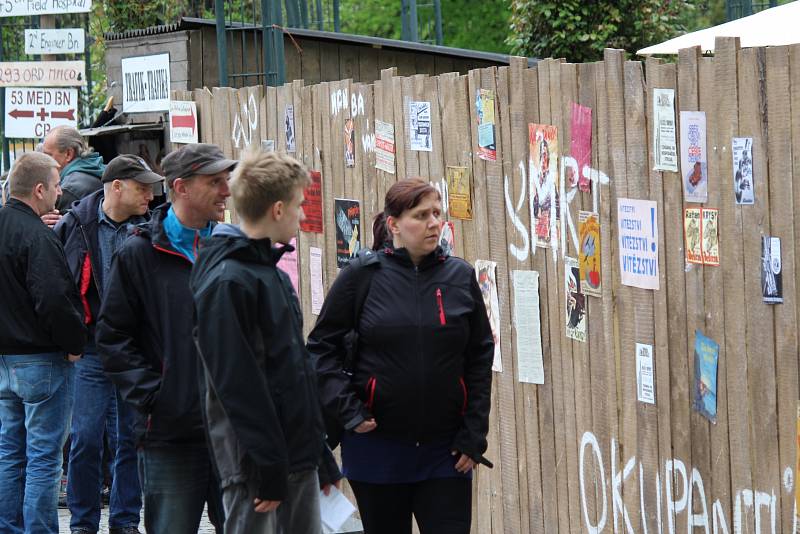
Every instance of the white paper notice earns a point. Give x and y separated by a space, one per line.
644 373
664 147
384 146
335 509
638 242
419 122
528 327
317 293
694 158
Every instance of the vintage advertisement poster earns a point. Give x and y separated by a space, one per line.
664 148
576 301
288 264
771 277
459 192
312 205
710 236
706 353
692 231
742 148
288 123
315 270
638 242
645 374
589 253
349 143
348 229
694 158
543 164
581 146
527 323
485 272
484 110
419 126
384 146
447 239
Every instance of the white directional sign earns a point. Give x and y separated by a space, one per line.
22 8
42 73
32 112
63 41
182 122
145 83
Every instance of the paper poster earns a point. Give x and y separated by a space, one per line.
419 126
447 239
459 192
289 129
348 229
268 145
576 301
742 148
384 146
484 111
589 253
527 323
645 374
710 236
664 148
771 277
694 158
312 205
349 144
543 142
288 264
315 270
638 242
692 228
485 271
581 146
706 354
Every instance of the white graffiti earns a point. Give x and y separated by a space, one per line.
368 142
243 129
356 105
339 100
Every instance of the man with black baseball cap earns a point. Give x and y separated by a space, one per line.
144 337
91 232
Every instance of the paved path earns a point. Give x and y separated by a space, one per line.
63 522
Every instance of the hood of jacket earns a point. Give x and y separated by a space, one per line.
85 209
91 164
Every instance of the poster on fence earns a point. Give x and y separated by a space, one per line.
638 242
288 264
527 323
576 301
710 236
419 126
589 253
348 229
288 122
743 188
701 232
484 111
694 158
485 272
706 354
447 238
349 143
581 146
543 163
384 146
664 148
315 270
645 374
459 192
312 205
771 277
692 228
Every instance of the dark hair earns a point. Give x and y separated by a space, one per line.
403 195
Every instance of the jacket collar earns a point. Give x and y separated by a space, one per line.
402 256
86 209
21 206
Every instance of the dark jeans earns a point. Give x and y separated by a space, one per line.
177 482
99 408
440 506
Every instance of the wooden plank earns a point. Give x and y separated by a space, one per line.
205 117
293 58
329 158
404 61
384 111
373 201
425 64
410 157
348 62
283 99
400 127
444 64
329 62
305 124
311 62
368 65
302 153
271 115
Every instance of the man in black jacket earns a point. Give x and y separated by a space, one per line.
91 232
262 410
144 337
41 333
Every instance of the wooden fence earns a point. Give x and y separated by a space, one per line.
580 453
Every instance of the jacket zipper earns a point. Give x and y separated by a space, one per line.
370 393
442 318
167 251
421 374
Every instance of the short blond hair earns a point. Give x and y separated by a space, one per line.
30 170
263 178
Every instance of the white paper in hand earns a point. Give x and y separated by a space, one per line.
335 509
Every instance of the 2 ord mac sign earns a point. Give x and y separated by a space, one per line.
145 83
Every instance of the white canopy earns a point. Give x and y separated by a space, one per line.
772 27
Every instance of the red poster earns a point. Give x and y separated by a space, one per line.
581 146
312 206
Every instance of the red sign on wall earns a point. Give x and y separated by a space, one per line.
312 206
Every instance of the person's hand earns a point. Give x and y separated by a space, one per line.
326 488
51 218
366 426
73 357
263 507
465 464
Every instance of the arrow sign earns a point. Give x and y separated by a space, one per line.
182 121
69 114
31 112
17 113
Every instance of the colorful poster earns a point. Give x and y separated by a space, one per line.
484 111
692 230
289 129
527 323
645 374
771 277
419 126
706 354
638 242
543 163
447 239
710 236
576 301
694 158
664 148
288 264
743 186
589 253
315 270
485 272
349 144
312 205
581 146
384 146
459 192
348 229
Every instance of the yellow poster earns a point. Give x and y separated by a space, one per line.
589 253
459 192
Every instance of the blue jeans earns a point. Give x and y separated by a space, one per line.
177 482
99 408
36 397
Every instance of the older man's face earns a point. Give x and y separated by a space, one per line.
50 148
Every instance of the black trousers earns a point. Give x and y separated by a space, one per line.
440 506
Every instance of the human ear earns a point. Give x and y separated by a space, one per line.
391 223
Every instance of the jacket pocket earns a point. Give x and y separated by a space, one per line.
370 390
440 307
464 394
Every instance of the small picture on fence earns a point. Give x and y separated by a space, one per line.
543 142
289 129
771 277
710 236
589 254
691 228
349 144
580 147
645 374
348 229
447 239
706 354
485 272
312 205
384 146
694 158
484 111
419 122
576 301
459 192
664 148
743 170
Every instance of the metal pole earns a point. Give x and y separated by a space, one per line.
337 27
304 13
404 20
222 45
412 19
320 16
277 35
266 37
437 5
292 13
